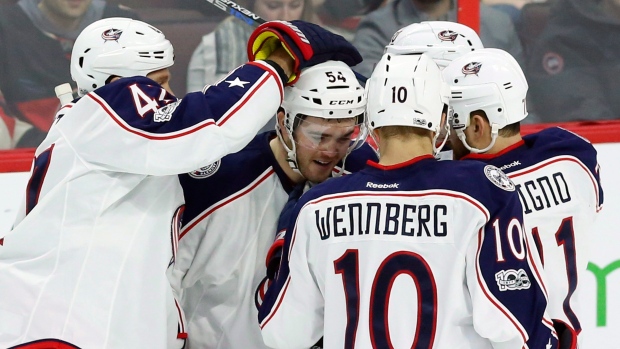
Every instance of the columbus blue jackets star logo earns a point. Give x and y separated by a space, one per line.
237 82
206 171
472 68
499 178
111 34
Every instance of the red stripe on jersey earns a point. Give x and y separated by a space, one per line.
263 79
46 344
139 132
273 73
182 334
242 102
559 159
487 293
212 209
275 310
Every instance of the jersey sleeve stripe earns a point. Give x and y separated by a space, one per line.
273 311
268 173
117 119
273 73
209 122
242 102
489 295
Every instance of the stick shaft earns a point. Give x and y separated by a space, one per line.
234 9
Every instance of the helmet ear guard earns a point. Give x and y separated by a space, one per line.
407 90
117 47
329 91
443 41
489 80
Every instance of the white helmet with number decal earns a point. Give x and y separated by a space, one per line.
117 47
443 41
328 90
490 80
407 90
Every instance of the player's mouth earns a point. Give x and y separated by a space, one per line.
323 163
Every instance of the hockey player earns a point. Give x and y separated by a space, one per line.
443 41
85 265
555 171
233 205
407 252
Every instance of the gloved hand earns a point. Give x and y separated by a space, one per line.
307 43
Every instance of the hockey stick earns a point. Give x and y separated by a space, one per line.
238 11
254 20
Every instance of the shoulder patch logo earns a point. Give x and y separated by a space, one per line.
164 114
206 171
512 280
499 178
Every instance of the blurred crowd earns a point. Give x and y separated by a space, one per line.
567 48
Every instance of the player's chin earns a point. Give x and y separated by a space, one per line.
318 173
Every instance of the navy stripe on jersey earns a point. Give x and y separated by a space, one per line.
39 170
144 108
238 174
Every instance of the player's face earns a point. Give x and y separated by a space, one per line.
67 9
321 144
286 10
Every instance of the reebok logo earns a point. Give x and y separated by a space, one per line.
382 186
512 164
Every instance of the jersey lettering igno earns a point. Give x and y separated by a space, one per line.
86 262
232 210
425 254
557 177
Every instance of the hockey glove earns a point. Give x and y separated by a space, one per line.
307 43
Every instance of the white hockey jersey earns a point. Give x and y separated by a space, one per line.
86 262
557 177
424 254
231 216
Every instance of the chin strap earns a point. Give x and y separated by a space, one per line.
436 149
291 154
463 138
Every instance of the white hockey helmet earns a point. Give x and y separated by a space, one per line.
490 80
442 40
328 90
117 47
407 90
